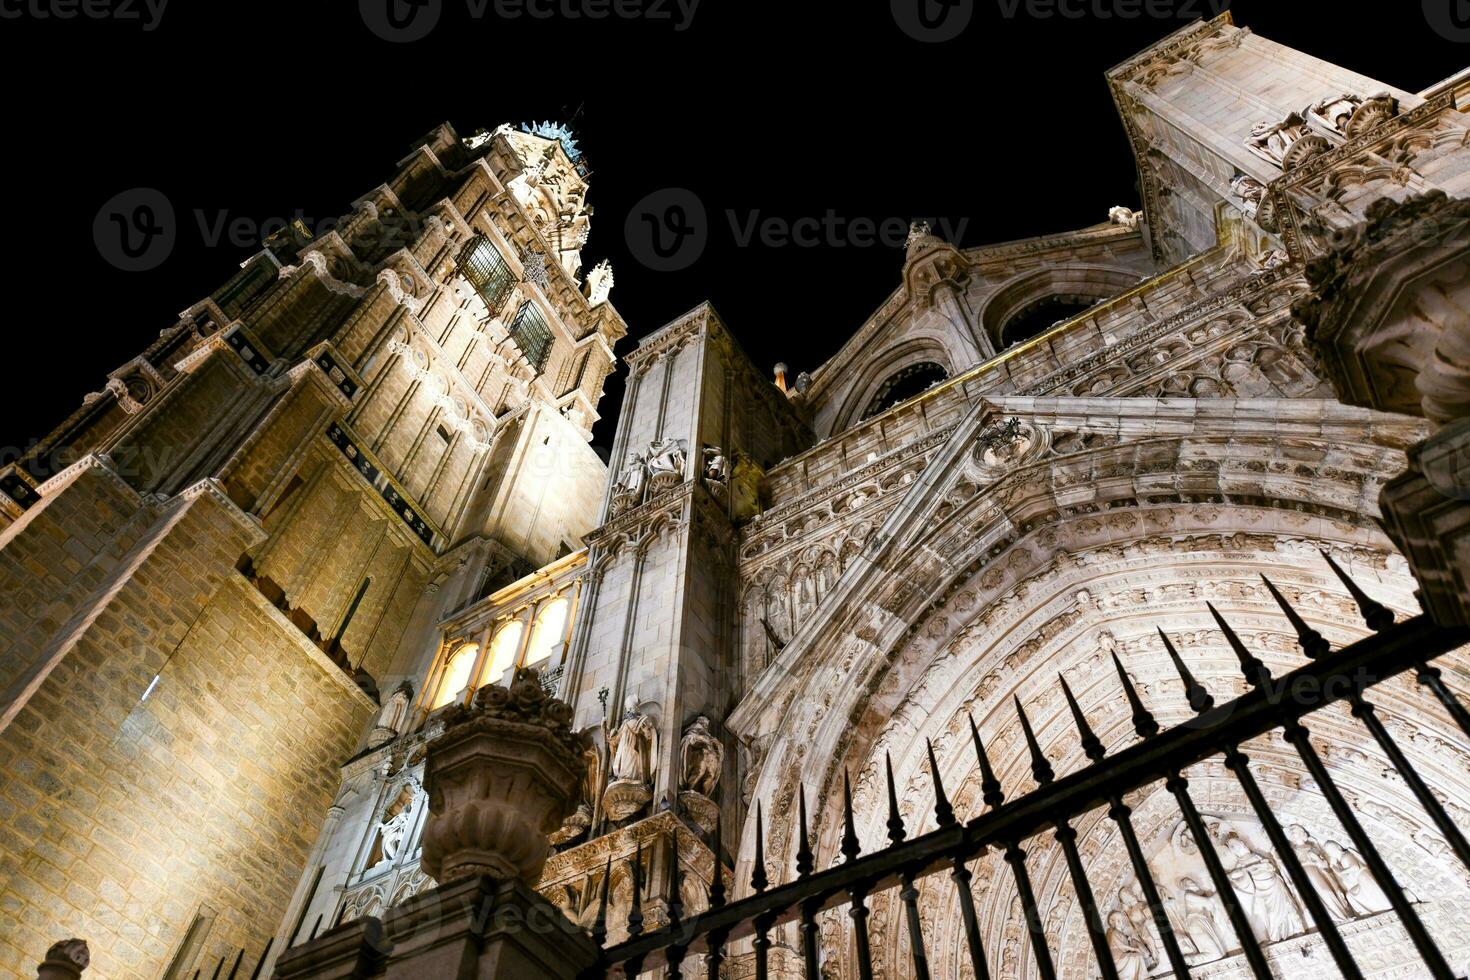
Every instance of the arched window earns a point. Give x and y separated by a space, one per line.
503 650
456 674
550 625
1041 315
904 384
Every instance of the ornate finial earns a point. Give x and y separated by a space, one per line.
943 812
1091 744
850 846
1378 616
599 283
1250 665
990 789
1144 723
1041 768
896 833
1313 644
804 858
65 960
758 879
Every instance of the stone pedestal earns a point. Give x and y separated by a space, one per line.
502 777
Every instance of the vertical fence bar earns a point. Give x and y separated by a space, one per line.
1016 858
962 878
1300 739
1257 676
1201 701
1239 765
1122 815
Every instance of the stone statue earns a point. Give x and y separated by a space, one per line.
1273 141
634 472
1136 911
666 460
1200 912
1338 111
1130 955
1319 871
702 756
395 826
716 466
1249 190
393 716
628 490
1361 891
1268 902
701 759
633 745
1125 217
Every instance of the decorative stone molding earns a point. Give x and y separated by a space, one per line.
504 774
1380 347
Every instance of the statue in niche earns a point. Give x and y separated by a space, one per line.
1269 904
1363 895
1319 871
628 491
633 745
666 464
1200 915
716 470
393 716
393 831
702 759
1130 955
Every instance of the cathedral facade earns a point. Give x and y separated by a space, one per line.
352 488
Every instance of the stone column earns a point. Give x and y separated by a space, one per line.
65 961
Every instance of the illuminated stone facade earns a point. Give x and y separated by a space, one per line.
1031 456
218 574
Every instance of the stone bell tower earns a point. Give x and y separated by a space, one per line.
653 665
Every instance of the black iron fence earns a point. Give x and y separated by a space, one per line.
1161 756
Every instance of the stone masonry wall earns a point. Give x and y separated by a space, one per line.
118 817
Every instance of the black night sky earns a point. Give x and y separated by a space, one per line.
240 113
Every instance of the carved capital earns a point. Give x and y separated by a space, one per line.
502 777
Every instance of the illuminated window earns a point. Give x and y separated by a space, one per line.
550 624
532 335
456 674
503 650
